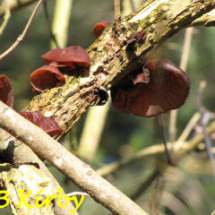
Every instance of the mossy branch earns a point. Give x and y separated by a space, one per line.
110 60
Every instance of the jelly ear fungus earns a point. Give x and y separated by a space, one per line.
47 124
6 92
159 86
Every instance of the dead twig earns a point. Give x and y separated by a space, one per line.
21 37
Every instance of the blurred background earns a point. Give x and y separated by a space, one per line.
185 188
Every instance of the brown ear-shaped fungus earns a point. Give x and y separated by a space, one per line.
6 92
47 124
72 57
46 77
99 27
160 87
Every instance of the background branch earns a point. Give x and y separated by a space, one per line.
92 131
6 17
180 150
203 123
15 4
183 66
61 22
21 37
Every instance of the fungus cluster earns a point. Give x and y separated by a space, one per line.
45 123
47 77
156 88
159 86
59 61
100 26
6 92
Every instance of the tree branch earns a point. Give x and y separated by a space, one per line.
181 148
21 37
50 150
110 61
15 4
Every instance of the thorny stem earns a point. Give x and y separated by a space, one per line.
183 66
21 37
6 17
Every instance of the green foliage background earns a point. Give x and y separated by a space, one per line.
191 181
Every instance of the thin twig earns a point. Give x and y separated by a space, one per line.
213 213
6 17
189 127
163 138
117 12
146 183
180 149
183 65
21 37
203 125
53 38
